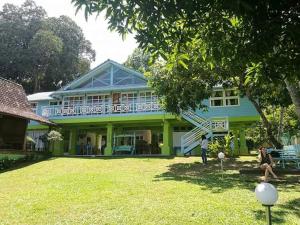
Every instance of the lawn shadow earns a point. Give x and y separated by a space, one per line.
210 177
280 211
277 217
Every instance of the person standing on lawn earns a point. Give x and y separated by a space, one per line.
204 147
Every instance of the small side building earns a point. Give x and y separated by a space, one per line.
15 114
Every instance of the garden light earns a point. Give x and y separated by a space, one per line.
267 195
221 156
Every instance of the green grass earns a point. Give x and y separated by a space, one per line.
139 191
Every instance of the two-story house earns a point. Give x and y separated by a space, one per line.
111 111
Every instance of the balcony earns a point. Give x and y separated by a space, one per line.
99 109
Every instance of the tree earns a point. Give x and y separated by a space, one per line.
239 41
37 51
44 47
138 60
76 55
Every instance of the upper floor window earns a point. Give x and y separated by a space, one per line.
33 106
221 98
73 100
128 98
98 99
55 103
148 96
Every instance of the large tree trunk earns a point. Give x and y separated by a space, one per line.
280 127
265 121
36 83
294 91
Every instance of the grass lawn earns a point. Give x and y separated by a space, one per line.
139 191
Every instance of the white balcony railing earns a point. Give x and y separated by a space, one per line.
220 124
97 109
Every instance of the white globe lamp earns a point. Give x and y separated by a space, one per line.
267 195
221 155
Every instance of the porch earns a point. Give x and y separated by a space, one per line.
118 139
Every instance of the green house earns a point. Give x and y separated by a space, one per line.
112 111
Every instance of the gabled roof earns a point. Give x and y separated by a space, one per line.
97 71
14 102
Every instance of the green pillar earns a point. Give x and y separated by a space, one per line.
236 149
109 140
58 148
167 139
96 145
73 141
243 147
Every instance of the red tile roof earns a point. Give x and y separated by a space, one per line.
13 101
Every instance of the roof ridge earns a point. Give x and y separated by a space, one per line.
1 78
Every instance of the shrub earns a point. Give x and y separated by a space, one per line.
250 143
8 161
215 147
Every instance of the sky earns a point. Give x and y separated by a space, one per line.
108 45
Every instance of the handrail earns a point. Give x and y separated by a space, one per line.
98 109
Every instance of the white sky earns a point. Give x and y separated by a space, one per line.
108 45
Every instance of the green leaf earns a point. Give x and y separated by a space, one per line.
183 64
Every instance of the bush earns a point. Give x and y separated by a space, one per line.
8 161
250 143
215 147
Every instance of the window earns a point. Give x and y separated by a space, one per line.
102 80
128 98
55 103
73 100
98 99
221 98
139 137
122 77
148 96
33 106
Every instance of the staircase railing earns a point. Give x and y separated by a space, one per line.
191 139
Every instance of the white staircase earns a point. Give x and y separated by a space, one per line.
193 138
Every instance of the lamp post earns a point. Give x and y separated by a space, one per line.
221 156
267 195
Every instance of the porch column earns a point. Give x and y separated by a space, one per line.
57 146
73 141
243 148
167 138
109 140
236 148
96 145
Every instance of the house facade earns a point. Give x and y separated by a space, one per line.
112 111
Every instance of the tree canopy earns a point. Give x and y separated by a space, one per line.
249 44
236 37
39 51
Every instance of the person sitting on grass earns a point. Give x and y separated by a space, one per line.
266 163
